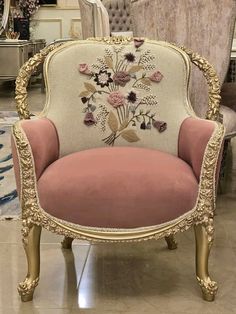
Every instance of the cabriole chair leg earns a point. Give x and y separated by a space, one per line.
67 243
31 242
203 246
171 243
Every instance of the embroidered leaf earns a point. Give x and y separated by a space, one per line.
135 68
112 122
124 124
130 136
109 62
146 81
89 87
85 93
93 108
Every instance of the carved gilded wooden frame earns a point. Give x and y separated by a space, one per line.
34 217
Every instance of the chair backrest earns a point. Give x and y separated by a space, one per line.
203 26
94 19
119 15
128 94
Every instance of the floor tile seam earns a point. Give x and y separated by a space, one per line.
85 263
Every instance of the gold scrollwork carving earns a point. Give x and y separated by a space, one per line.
23 79
26 288
114 40
213 112
209 288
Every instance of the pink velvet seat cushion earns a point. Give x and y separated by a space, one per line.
118 187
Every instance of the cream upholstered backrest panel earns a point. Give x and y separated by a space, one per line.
205 26
131 94
119 15
94 19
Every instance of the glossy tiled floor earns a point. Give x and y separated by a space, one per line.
132 278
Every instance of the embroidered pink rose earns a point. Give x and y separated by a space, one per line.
84 68
116 99
138 42
156 76
89 119
161 126
121 78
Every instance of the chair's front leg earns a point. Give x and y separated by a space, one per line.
67 243
31 240
203 246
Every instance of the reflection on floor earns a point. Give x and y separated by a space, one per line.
114 278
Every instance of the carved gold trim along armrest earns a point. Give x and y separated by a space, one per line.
213 112
23 79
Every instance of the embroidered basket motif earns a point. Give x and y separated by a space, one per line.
106 102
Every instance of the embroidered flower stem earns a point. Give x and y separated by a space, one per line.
92 95
118 114
134 84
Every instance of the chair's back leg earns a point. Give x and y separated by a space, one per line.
31 240
67 243
203 246
171 243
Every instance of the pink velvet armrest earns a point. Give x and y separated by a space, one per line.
194 136
43 139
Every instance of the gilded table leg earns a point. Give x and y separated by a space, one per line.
171 243
31 240
67 243
203 245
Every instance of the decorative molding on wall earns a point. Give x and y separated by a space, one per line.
68 4
47 21
70 25
59 8
75 29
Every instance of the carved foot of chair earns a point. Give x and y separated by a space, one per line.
26 289
67 243
209 288
31 241
171 243
203 245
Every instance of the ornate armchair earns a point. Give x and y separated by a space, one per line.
100 18
203 26
117 154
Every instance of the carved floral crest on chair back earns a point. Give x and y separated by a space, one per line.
117 94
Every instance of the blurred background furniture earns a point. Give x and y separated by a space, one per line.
100 18
204 26
119 15
14 53
94 19
15 44
4 15
125 170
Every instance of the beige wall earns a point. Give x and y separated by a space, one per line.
62 21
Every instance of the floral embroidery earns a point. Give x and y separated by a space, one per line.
89 119
138 42
121 78
103 78
120 110
156 76
116 99
84 68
